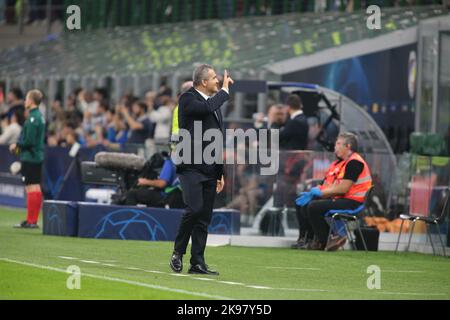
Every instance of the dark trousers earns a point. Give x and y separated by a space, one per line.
318 208
198 194
304 226
149 197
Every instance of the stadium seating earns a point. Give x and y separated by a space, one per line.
243 44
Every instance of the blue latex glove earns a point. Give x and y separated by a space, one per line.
303 199
316 192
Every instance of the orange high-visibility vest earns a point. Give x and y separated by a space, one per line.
360 187
332 173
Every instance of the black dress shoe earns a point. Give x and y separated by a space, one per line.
176 262
202 269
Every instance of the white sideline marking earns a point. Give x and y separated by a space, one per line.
218 281
403 271
109 264
153 271
133 268
292 268
67 258
203 279
231 282
413 293
305 290
90 261
136 283
259 287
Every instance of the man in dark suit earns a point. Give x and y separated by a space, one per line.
199 181
294 135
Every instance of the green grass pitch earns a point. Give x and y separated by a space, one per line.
33 266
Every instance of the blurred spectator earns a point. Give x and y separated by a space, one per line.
162 117
164 90
14 100
140 125
87 103
69 134
12 128
276 118
100 95
72 113
57 116
116 132
150 97
93 125
294 135
93 120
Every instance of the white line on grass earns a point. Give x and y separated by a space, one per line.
232 283
304 290
412 293
154 271
90 261
109 264
130 282
203 279
133 268
291 268
67 258
403 271
218 281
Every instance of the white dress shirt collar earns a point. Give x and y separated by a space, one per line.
206 97
202 94
296 113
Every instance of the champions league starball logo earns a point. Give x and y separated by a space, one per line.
123 221
53 222
220 224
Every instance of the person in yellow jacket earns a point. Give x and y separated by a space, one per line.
175 126
345 189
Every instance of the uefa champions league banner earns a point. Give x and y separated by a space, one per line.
92 220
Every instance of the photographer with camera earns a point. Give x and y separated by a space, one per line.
157 190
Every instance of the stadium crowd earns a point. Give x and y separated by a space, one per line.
90 118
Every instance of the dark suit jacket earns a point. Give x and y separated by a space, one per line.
193 107
294 135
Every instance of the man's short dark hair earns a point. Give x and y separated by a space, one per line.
20 116
17 92
103 92
142 105
294 102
